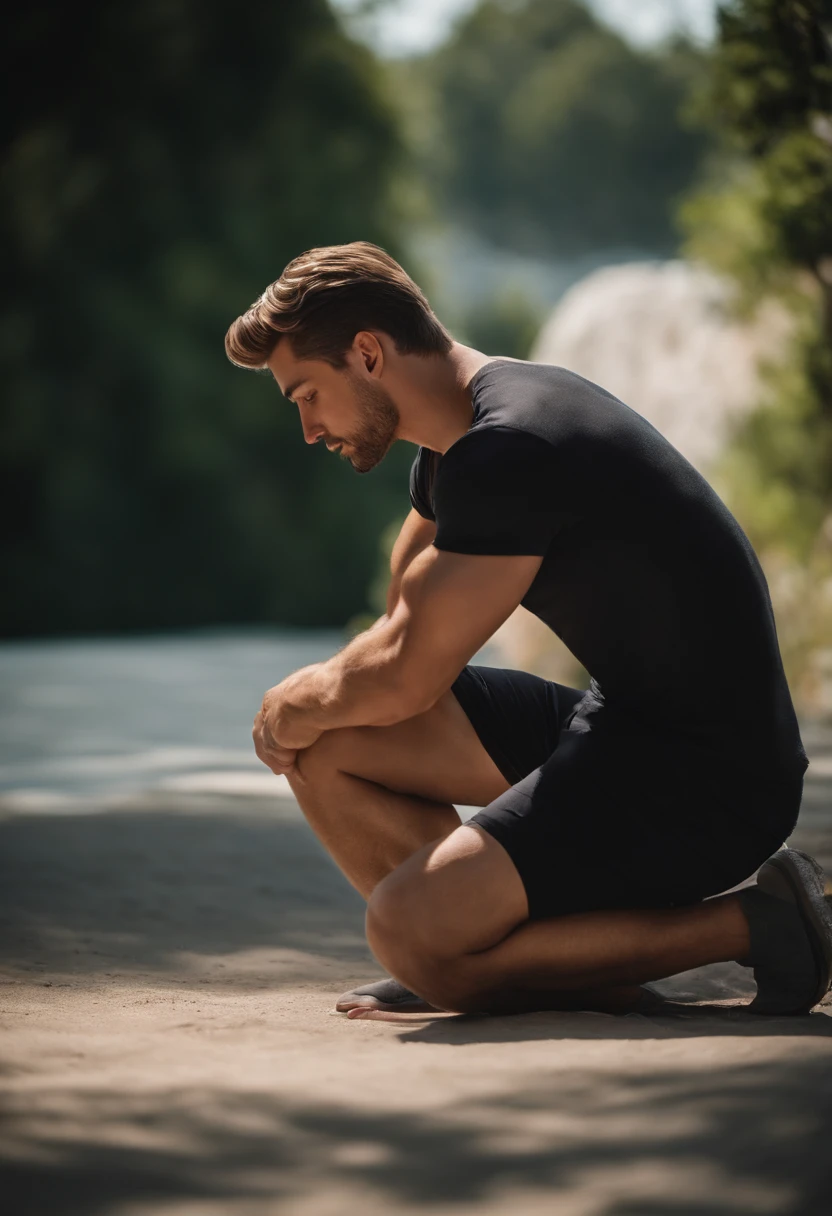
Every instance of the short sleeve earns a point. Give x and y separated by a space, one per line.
421 479
496 492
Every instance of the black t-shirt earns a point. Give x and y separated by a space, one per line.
646 575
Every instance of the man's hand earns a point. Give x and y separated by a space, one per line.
280 731
279 759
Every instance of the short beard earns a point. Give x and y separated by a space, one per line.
379 421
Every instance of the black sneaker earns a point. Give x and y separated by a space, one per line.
789 913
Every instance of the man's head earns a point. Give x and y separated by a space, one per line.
325 329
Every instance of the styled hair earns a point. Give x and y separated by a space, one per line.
325 296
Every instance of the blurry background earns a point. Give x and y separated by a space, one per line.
639 191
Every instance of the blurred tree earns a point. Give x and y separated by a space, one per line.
505 324
163 160
767 222
546 132
380 582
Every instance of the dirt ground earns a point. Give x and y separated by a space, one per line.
169 1045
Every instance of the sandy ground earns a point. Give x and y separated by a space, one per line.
169 1047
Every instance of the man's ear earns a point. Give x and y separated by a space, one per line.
369 351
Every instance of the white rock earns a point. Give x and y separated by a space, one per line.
661 337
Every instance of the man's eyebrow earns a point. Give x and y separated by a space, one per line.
292 388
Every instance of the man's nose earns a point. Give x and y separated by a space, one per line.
312 431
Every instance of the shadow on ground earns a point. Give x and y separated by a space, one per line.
678 1021
676 1144
137 889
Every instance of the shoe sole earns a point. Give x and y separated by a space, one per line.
794 875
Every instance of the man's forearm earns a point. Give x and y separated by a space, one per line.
361 685
358 686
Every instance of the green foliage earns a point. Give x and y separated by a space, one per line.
771 69
777 470
767 221
796 200
770 227
546 132
162 164
768 224
506 324
377 594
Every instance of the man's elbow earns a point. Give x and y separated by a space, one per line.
416 689
415 681
402 699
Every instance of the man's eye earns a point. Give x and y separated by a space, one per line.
310 398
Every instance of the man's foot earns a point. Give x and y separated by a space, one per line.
789 913
388 995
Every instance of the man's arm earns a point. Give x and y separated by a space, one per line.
415 536
448 606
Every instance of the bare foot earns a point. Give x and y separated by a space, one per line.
386 996
430 1012
633 999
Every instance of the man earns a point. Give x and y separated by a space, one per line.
611 819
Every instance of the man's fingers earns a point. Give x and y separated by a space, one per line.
260 733
257 732
279 759
257 737
264 744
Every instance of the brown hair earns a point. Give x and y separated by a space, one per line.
325 296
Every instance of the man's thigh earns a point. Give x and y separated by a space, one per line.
451 898
436 754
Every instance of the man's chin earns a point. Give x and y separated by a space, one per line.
364 462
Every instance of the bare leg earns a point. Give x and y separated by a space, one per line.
370 829
436 925
376 795
600 950
366 829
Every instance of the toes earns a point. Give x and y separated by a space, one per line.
349 1002
390 1015
387 994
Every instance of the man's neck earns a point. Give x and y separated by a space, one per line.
433 396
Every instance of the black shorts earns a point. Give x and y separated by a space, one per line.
615 817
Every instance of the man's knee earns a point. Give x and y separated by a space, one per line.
406 939
329 753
